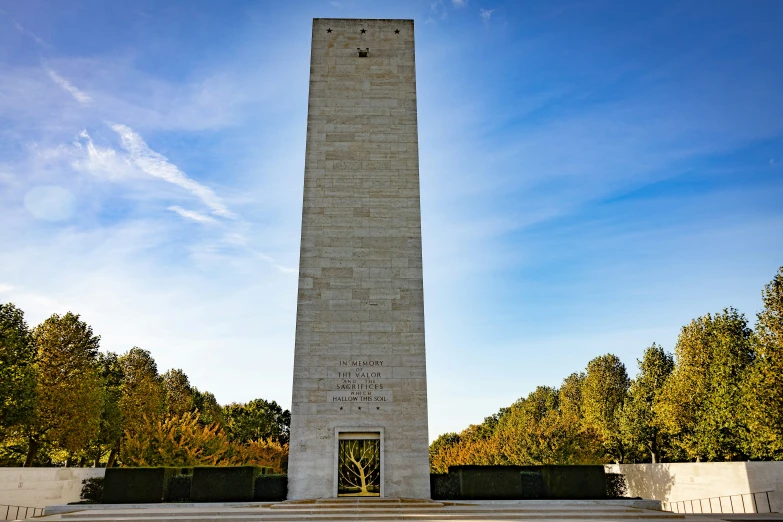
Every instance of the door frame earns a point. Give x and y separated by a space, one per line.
358 432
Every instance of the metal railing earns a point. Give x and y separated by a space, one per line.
19 512
757 502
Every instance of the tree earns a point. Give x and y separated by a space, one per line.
142 390
763 388
176 440
207 405
570 397
641 429
17 373
68 388
438 448
184 440
603 393
701 401
269 453
534 431
111 428
470 447
257 420
179 393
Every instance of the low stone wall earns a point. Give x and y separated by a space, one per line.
728 484
41 487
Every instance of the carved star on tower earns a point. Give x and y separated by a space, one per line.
329 30
364 31
396 31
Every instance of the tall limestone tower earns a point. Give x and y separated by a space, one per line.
359 409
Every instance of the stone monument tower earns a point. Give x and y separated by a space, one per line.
359 408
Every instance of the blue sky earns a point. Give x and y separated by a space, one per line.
594 175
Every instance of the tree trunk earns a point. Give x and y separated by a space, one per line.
654 449
112 457
32 449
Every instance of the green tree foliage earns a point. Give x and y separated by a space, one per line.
604 391
534 430
69 396
701 402
570 396
441 445
207 405
179 392
719 398
543 428
257 420
640 429
63 400
17 373
763 389
142 394
111 428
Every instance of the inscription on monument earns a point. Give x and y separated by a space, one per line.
361 381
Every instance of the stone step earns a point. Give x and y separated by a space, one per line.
362 505
357 517
439 515
326 510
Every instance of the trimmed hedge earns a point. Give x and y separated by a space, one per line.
532 485
444 486
136 485
519 483
271 488
224 484
489 482
178 487
574 482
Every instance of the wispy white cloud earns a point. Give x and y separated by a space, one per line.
22 29
192 215
281 268
440 8
158 165
459 3
486 14
99 160
78 95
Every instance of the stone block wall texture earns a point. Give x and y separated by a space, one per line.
359 361
41 487
728 485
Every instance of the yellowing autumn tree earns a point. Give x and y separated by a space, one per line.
69 396
176 440
142 395
183 440
763 388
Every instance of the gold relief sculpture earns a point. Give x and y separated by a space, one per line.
359 468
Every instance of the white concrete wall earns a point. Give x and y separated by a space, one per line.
729 485
41 487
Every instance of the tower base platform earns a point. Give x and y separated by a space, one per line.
368 509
